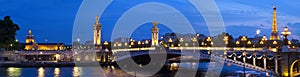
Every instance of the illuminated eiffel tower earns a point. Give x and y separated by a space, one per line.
274 34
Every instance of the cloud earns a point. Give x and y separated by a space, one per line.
247 13
294 29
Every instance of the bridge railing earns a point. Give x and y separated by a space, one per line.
238 63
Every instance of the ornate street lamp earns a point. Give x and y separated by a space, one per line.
249 42
125 44
208 39
194 40
131 44
139 43
244 38
131 39
120 44
261 42
170 42
264 38
186 44
244 41
146 42
197 34
286 33
115 45
237 42
181 40
274 42
143 44
225 40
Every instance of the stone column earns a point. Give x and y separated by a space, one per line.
234 58
254 59
265 61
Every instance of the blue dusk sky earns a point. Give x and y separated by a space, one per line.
54 19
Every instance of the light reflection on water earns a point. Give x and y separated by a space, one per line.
41 72
56 72
76 72
110 71
13 72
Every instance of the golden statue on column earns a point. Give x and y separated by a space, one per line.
154 30
97 34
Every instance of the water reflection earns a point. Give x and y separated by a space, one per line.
56 72
194 65
112 71
13 72
187 65
76 72
41 72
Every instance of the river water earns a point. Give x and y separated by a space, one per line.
109 71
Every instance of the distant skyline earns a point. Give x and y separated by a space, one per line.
53 20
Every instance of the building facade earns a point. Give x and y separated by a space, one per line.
32 45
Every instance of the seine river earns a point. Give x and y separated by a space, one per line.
110 71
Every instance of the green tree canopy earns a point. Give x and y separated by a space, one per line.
8 31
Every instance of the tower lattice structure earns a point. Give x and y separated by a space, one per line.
274 34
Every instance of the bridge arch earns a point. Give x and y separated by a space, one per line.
292 68
143 54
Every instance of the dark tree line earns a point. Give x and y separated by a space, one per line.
8 31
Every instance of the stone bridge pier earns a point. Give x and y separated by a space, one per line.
290 64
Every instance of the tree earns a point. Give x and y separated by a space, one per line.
8 31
